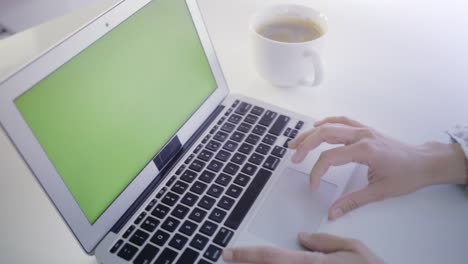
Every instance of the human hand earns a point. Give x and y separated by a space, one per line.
394 168
321 249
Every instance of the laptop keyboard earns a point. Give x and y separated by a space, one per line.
195 215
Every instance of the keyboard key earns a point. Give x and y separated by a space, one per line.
221 120
161 192
253 139
263 149
197 165
242 179
198 148
231 168
129 231
251 119
230 146
286 143
244 127
234 191
268 118
226 203
259 130
215 190
116 246
237 136
239 158
188 228
249 169
213 253
257 110
180 169
221 136
180 187
189 256
189 199
269 139
246 201
235 119
199 242
127 252
206 202
189 159
178 241
215 165
170 224
223 237
140 218
217 215
228 127
228 112
246 148
279 125
170 199
243 108
160 237
171 181
293 133
202 261
208 228
146 255
223 155
180 211
278 151
167 256
150 224
197 215
287 131
271 163
188 176
223 179
160 211
213 145
236 102
139 238
256 158
205 155
205 139
198 187
207 176
299 125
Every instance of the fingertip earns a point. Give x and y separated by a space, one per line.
336 213
228 255
303 236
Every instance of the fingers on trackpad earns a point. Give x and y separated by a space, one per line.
291 208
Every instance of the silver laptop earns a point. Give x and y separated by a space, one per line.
130 129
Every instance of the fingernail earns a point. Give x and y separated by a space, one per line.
337 213
227 255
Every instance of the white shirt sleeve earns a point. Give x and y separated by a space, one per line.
459 134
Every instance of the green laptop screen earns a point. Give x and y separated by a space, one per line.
103 115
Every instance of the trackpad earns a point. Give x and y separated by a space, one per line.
291 208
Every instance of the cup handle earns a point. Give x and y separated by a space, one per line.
312 55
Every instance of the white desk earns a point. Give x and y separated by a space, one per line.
399 66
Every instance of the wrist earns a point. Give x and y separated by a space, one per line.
445 163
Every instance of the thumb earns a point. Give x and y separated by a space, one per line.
324 243
355 200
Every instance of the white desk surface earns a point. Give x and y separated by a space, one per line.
399 66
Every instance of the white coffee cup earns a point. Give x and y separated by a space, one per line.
286 63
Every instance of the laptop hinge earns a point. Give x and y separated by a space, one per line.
166 162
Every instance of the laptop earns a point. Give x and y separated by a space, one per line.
130 129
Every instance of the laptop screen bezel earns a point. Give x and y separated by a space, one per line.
31 151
